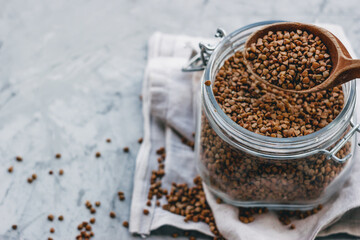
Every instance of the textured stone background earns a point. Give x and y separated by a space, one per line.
70 77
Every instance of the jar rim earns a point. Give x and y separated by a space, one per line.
287 144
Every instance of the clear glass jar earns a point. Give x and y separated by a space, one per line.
251 170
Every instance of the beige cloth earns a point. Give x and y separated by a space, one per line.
167 107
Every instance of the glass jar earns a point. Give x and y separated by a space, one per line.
247 169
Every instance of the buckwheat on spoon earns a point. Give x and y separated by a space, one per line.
297 57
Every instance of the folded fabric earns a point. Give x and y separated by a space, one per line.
168 112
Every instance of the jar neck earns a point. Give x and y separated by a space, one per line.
257 144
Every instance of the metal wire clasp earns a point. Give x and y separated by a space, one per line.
332 153
199 61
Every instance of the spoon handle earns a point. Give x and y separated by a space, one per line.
350 69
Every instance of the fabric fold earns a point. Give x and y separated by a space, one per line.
167 97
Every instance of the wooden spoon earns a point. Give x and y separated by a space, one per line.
344 68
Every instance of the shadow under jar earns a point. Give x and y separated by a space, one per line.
250 169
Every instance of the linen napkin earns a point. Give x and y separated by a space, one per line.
168 113
167 110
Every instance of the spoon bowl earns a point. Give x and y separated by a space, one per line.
344 68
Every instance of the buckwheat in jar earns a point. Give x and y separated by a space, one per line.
261 147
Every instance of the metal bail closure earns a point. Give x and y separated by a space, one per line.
332 153
199 60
